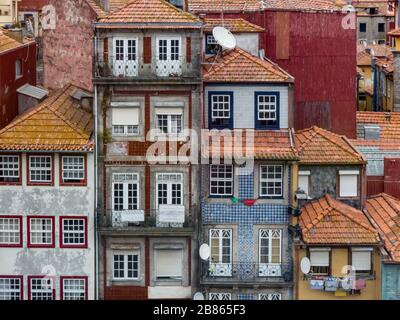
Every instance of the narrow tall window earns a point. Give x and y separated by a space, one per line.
270 246
125 191
221 180
125 57
9 169
348 183
169 188
271 181
221 245
169 60
267 110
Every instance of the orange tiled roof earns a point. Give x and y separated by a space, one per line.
151 14
363 58
233 25
239 66
8 43
266 145
385 64
96 8
319 146
327 221
114 5
58 123
257 5
384 212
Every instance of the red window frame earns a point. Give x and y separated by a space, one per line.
71 246
21 279
40 277
21 230
34 183
53 244
72 184
62 278
19 182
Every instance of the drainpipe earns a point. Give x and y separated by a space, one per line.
375 82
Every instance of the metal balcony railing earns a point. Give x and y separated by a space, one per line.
131 66
122 219
247 271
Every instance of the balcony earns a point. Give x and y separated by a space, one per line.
162 68
167 219
246 272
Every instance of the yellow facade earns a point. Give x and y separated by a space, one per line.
339 259
8 12
365 86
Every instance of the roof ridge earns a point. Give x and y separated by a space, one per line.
313 133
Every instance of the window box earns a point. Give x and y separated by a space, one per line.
220 110
267 110
40 170
11 231
74 288
11 288
73 232
10 170
41 288
41 232
73 170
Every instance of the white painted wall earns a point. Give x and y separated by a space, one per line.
244 103
52 201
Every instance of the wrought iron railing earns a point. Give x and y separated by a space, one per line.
131 66
247 271
122 219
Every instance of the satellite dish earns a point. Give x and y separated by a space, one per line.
305 265
204 251
224 38
198 296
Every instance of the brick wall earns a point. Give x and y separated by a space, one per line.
125 293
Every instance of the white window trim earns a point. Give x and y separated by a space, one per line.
348 173
125 183
273 180
220 244
83 170
270 238
169 39
275 110
222 179
31 232
126 254
219 296
32 291
9 231
8 164
169 125
64 290
218 109
169 187
9 291
40 169
83 232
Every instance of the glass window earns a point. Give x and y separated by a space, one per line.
126 265
10 231
41 289
221 245
40 169
73 168
270 245
221 180
125 191
169 188
41 231
73 231
9 169
74 289
271 181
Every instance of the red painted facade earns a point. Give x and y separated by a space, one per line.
321 55
32 5
8 82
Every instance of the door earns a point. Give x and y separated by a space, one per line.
169 57
125 57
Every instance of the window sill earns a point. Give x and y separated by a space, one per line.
40 184
73 184
17 183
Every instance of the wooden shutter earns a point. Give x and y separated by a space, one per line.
147 50
188 49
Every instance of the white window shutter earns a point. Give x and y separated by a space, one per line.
125 116
169 110
348 186
303 183
169 263
361 260
319 258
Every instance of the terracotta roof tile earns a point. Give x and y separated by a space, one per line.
327 221
239 66
385 64
8 43
257 5
268 145
384 213
363 58
117 4
318 146
96 8
58 123
151 14
233 25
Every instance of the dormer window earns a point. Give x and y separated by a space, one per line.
267 110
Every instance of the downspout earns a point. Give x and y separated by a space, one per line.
374 77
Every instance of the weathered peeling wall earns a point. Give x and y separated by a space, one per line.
55 201
69 46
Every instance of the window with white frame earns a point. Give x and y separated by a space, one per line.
320 261
168 264
221 180
361 260
10 288
211 45
40 169
73 231
41 288
125 190
74 289
219 296
125 121
267 110
270 296
169 49
221 112
73 168
270 246
126 265
348 183
271 181
10 231
9 168
169 120
125 57
304 181
40 231
221 245
169 188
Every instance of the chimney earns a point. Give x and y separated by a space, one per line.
396 80
16 34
